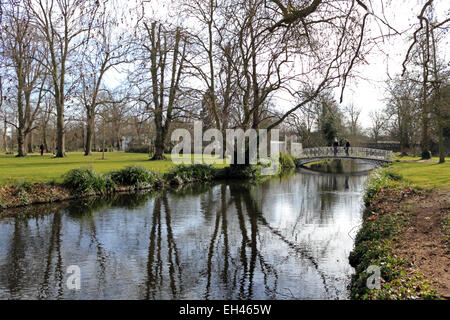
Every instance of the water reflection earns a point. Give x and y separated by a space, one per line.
156 262
286 238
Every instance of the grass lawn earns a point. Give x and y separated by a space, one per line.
34 168
426 174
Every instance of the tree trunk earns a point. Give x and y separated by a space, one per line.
29 139
425 138
44 139
119 141
28 136
21 119
103 138
89 134
60 136
5 128
159 145
20 143
404 143
441 143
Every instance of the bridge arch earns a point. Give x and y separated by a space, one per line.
373 156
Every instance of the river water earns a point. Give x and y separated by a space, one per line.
285 238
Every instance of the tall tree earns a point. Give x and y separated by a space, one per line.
105 50
441 76
403 107
64 26
424 45
353 113
162 51
379 121
21 47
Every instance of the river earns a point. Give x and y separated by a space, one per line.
286 238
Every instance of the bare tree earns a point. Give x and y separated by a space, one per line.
3 142
163 51
204 11
353 113
379 121
103 51
441 76
403 108
46 115
302 124
21 49
423 48
64 26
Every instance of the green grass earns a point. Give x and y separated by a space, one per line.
35 168
375 242
427 175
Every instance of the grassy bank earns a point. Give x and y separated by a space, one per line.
86 182
89 176
34 168
390 221
425 174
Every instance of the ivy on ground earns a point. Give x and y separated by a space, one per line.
374 244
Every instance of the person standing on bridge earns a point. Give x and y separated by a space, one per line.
347 147
335 146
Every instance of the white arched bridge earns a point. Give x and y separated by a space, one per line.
373 156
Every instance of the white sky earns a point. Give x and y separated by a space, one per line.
366 94
369 95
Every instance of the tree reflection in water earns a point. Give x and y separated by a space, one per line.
282 239
155 265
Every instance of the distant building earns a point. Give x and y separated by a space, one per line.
126 142
384 145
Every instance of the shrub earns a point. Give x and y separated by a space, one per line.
380 179
297 162
241 172
24 185
84 181
109 184
394 176
133 176
22 196
426 154
286 161
190 173
138 149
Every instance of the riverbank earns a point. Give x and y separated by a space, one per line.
405 232
45 169
86 182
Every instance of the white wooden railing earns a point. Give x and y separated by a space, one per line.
360 153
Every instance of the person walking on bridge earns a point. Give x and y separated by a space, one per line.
347 147
335 146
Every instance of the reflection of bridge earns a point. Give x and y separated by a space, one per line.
334 174
373 156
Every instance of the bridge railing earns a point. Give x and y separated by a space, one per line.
362 153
